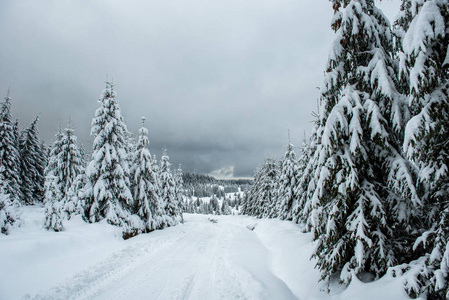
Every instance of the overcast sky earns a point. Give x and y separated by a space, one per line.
220 82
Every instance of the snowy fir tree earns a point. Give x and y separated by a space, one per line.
261 199
53 218
288 184
425 67
249 198
225 208
144 181
9 152
32 165
52 180
157 173
72 204
168 192
214 205
301 212
354 207
179 191
65 164
267 193
74 160
53 202
9 207
107 193
67 154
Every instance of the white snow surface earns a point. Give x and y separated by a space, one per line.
199 259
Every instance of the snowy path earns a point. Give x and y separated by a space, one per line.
199 260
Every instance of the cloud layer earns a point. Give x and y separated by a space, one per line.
220 82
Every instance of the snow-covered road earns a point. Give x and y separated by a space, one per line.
199 259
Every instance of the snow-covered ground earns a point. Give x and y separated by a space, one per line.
207 257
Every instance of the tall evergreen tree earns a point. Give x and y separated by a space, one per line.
53 203
425 66
65 164
249 198
9 153
288 184
32 165
167 192
261 199
267 191
302 209
225 208
52 181
214 205
9 208
355 207
107 192
145 184
179 191
65 161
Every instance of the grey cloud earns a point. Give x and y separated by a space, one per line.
219 82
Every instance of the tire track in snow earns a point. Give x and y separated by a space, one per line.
116 265
196 267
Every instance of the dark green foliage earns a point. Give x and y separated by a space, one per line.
32 165
9 152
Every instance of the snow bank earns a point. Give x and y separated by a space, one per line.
290 252
34 259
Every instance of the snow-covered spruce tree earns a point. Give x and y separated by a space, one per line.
72 204
158 187
275 205
215 205
301 212
107 194
53 203
425 66
131 147
179 191
9 208
32 165
9 152
288 184
144 182
357 207
248 206
53 218
168 192
66 164
225 208
52 180
265 193
73 156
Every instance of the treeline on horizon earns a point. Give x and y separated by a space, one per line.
201 185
